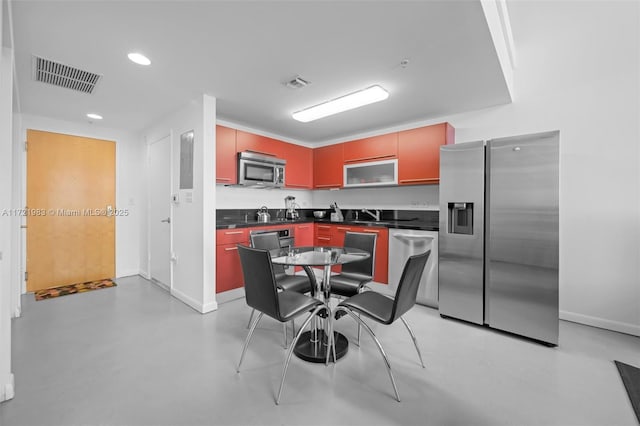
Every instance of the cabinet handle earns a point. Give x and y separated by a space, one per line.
370 230
324 238
303 227
419 180
323 227
342 228
230 248
375 157
233 233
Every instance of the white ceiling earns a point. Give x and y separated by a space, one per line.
242 52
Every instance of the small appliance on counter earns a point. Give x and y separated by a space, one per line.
292 208
336 215
263 214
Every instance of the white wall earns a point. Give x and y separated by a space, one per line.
230 197
129 160
421 197
193 223
6 221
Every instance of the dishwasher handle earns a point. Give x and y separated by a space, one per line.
413 237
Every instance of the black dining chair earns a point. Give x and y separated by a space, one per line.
356 275
386 310
262 295
297 283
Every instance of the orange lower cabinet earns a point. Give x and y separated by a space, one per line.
228 268
381 272
303 237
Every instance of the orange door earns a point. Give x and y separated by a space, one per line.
419 153
373 148
70 189
299 172
328 166
226 167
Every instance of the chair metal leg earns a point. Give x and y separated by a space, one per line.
363 288
293 345
246 342
413 337
375 339
331 348
250 318
284 331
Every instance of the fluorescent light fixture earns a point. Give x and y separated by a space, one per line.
94 116
139 58
344 103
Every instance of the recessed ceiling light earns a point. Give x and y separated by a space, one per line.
94 116
344 103
139 58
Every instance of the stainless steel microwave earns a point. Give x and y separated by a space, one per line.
255 169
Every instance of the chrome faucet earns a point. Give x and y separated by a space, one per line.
374 214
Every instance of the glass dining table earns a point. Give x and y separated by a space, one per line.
314 344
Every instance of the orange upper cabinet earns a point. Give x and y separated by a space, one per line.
419 153
299 168
370 149
246 141
226 164
327 166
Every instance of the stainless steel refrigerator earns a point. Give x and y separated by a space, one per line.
498 239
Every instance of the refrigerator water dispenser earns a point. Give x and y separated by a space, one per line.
460 218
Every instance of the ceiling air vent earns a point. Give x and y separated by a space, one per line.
62 75
297 83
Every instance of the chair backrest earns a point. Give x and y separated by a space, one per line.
259 281
267 241
408 285
364 241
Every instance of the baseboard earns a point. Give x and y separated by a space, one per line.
228 296
606 324
209 307
144 275
191 302
187 300
7 391
161 285
129 273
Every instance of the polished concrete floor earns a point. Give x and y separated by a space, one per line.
133 355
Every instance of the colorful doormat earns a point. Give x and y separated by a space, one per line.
631 379
72 289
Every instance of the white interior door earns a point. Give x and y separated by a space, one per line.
160 211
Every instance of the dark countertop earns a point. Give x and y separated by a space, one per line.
428 225
254 223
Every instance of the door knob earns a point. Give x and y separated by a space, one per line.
167 220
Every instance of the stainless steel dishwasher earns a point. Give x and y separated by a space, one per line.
407 242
